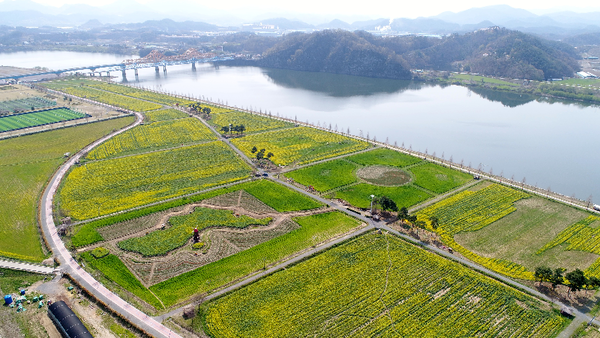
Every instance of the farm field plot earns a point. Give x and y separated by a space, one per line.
38 118
524 236
164 114
26 163
253 123
360 195
384 156
102 96
299 145
137 93
280 197
378 285
160 242
26 104
104 187
438 179
326 176
313 230
474 210
154 136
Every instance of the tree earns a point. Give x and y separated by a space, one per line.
557 277
386 203
260 155
270 154
543 274
403 213
434 221
254 149
242 128
576 280
206 110
224 129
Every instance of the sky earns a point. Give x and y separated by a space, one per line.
377 8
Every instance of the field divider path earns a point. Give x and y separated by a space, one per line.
69 264
436 198
328 159
30 267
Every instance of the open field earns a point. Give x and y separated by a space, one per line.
360 195
164 114
160 242
582 82
104 187
253 123
134 92
524 235
154 136
325 176
478 79
26 163
384 156
313 230
280 197
439 179
38 118
299 145
35 102
378 285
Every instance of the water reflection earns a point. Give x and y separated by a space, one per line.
508 99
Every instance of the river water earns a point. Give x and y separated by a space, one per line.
550 144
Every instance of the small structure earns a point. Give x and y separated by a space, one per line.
565 311
8 299
596 207
67 322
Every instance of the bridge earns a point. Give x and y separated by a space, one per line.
155 59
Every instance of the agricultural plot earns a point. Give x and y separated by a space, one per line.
360 195
26 164
26 104
38 118
114 269
253 123
160 242
384 156
313 229
438 179
164 114
473 210
104 187
104 97
325 176
299 145
137 93
280 197
378 285
154 136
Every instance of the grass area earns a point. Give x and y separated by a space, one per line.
114 269
378 285
103 187
154 136
290 200
280 197
134 92
299 145
325 176
160 242
582 82
38 118
478 79
27 162
12 280
26 104
314 229
518 236
474 210
165 114
360 195
253 123
384 156
438 179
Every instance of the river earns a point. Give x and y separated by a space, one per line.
550 144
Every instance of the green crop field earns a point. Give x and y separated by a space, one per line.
478 78
26 163
280 197
325 176
160 242
164 114
114 269
154 136
38 118
314 229
360 195
253 123
384 156
103 187
135 92
582 82
299 145
378 285
439 179
26 104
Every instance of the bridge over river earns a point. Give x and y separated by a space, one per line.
155 59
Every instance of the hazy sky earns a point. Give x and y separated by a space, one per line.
379 8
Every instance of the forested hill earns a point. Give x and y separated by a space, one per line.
493 51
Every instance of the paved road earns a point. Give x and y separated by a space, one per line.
70 266
46 270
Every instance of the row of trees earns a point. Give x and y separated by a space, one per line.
231 128
197 107
260 154
575 280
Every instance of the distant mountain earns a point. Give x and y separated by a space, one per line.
168 25
286 24
584 39
335 24
498 14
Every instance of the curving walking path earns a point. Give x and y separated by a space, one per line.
68 264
